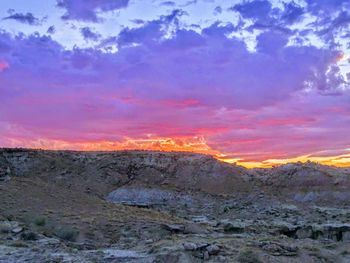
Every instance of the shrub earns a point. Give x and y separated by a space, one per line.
9 217
226 209
67 234
248 256
29 236
40 221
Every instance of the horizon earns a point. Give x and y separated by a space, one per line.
265 164
257 83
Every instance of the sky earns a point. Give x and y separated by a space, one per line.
253 82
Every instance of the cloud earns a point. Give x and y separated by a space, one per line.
51 30
168 3
170 85
330 25
3 65
88 34
87 10
326 7
138 21
27 18
151 31
292 13
218 10
259 10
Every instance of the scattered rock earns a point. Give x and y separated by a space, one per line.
200 219
192 228
279 249
17 230
174 228
213 249
10 227
114 253
5 173
234 227
174 187
190 246
149 241
222 258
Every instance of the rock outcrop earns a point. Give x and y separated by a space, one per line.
139 206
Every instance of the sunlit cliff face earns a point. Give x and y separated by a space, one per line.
257 83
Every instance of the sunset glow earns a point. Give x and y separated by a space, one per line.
197 145
257 83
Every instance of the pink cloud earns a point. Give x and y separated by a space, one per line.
168 93
3 65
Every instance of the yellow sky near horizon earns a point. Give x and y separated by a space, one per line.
195 144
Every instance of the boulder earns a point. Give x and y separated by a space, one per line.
174 228
17 230
189 228
213 249
192 228
337 232
190 246
9 227
234 227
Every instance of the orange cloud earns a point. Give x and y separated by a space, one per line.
186 144
192 144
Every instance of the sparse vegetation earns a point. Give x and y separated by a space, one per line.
29 236
9 217
239 227
67 234
248 256
4 228
19 243
40 221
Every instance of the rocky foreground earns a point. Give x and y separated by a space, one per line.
137 206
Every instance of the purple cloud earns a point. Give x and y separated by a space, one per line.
218 10
167 81
168 3
259 10
51 30
86 10
292 13
324 7
88 34
27 18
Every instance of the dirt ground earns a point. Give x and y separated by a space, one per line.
168 207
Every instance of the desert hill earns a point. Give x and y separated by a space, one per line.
141 206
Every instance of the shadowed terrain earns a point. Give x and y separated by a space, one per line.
140 206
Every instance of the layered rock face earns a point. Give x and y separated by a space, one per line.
308 182
182 171
139 206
